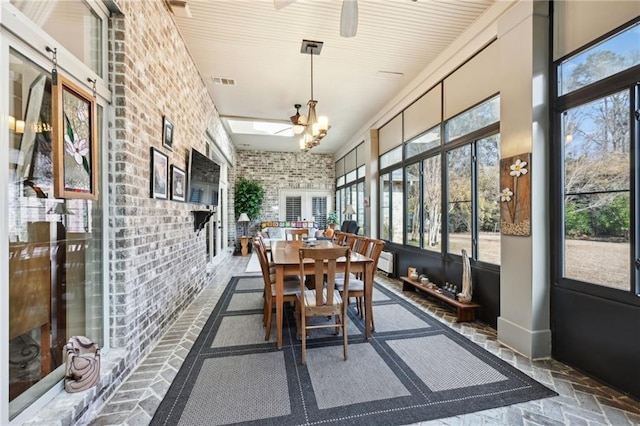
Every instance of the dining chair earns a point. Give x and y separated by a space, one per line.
372 249
339 237
296 234
324 300
263 246
290 289
351 240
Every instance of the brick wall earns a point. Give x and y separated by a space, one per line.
284 170
157 263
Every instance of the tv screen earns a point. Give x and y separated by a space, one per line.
204 179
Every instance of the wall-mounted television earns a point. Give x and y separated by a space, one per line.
204 179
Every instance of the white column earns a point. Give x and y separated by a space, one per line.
524 323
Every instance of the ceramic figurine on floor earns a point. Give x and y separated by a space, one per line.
467 288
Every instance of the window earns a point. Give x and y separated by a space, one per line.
598 147
424 142
488 188
468 195
73 24
319 211
431 204
305 206
414 206
385 206
392 157
476 118
597 177
459 206
615 54
293 209
55 245
350 186
395 195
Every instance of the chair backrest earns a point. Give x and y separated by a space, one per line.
264 263
351 240
260 241
375 248
325 258
339 237
362 244
296 234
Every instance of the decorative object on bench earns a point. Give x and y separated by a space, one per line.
467 287
82 364
464 311
412 273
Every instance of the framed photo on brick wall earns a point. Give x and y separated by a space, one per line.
159 175
167 133
178 183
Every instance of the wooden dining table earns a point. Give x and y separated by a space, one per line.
284 256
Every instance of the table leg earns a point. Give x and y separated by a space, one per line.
279 303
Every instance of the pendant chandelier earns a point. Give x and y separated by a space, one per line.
316 127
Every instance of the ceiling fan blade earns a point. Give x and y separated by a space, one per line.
349 18
279 4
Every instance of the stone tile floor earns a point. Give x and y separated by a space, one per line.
581 400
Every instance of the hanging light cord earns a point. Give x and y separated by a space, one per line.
311 72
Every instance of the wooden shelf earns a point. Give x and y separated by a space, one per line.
464 311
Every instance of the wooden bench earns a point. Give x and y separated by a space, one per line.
464 311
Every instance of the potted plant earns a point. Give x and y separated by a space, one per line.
248 199
332 219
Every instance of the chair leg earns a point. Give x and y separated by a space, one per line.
344 335
268 319
303 336
297 315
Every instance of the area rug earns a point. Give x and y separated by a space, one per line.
413 369
254 263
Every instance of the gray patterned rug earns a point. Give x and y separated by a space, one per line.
413 369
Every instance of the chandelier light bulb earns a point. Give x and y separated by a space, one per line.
323 123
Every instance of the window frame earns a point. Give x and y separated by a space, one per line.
441 150
628 80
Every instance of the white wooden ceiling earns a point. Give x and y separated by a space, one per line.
258 47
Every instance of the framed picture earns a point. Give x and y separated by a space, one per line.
515 195
75 154
159 175
167 133
178 183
